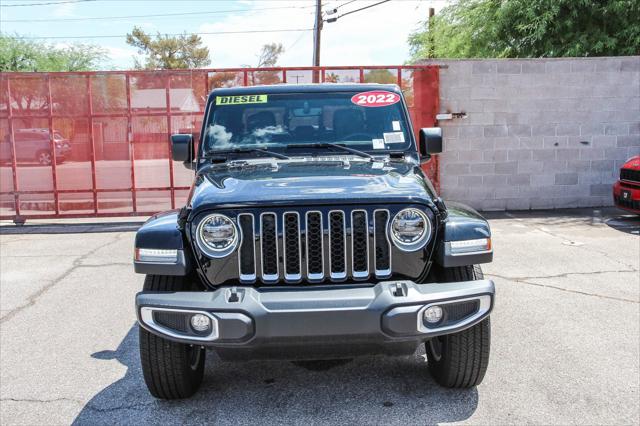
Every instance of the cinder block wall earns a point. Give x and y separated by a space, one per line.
539 133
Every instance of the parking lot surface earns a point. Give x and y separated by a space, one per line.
565 339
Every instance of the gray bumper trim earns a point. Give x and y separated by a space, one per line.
385 312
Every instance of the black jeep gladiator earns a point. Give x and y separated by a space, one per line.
311 232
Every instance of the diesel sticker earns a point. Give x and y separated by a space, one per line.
239 100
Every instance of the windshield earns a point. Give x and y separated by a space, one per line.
368 121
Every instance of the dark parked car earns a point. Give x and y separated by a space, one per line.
33 145
311 232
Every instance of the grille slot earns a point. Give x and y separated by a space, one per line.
269 246
247 262
381 243
360 243
292 254
314 236
630 175
337 245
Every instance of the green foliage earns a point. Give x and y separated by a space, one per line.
19 54
382 76
530 29
169 52
269 55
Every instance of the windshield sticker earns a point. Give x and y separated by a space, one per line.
393 137
240 100
378 143
396 126
375 98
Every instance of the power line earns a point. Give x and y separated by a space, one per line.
174 34
344 4
45 3
155 15
356 10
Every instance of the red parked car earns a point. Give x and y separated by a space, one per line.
626 191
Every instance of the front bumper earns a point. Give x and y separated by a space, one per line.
632 200
288 317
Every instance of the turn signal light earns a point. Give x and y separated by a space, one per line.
156 255
471 246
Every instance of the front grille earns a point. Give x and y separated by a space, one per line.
629 204
630 175
314 246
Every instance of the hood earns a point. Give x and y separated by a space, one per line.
632 163
309 182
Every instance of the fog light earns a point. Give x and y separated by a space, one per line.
433 314
200 322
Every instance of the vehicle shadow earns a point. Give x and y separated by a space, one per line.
628 223
365 390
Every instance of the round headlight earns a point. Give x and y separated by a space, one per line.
410 229
217 236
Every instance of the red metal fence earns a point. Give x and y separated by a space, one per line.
91 144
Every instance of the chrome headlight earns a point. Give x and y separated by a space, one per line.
217 236
410 229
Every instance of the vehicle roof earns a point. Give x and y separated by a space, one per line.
303 88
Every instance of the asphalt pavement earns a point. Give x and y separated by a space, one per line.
565 339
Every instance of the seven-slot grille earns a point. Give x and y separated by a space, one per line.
314 246
630 175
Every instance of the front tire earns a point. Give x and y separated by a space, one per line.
171 370
460 360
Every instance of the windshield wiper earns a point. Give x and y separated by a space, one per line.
330 145
215 152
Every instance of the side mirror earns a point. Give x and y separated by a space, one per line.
182 148
430 141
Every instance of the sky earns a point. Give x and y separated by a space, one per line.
376 36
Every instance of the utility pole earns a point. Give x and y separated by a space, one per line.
432 48
317 28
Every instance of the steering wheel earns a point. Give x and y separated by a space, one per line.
355 136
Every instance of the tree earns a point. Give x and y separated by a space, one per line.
530 29
269 55
383 76
22 55
267 58
169 52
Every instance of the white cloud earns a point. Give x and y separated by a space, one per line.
374 36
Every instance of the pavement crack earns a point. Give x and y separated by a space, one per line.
543 228
33 298
37 400
101 265
137 406
525 280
